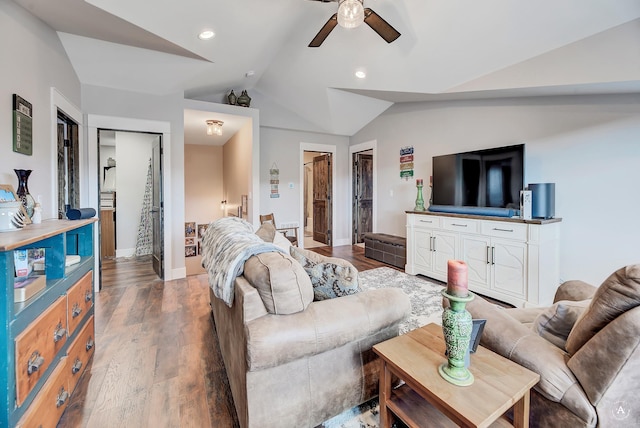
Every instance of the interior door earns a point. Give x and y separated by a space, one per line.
157 208
362 196
322 208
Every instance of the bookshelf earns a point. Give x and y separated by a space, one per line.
59 238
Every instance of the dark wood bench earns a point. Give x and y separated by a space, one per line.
386 248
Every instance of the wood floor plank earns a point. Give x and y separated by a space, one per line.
157 362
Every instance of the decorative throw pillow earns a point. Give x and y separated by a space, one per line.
281 282
266 232
555 323
281 241
330 276
617 294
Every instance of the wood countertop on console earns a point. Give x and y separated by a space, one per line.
36 232
488 217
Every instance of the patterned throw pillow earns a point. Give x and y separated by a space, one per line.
330 276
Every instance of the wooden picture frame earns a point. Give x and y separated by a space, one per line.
8 194
202 228
190 228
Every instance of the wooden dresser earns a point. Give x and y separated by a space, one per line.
48 339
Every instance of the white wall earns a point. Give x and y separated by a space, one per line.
283 147
588 145
133 111
133 152
33 61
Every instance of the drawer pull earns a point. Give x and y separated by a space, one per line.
459 225
59 332
77 366
89 344
425 221
62 397
88 296
35 362
76 310
503 230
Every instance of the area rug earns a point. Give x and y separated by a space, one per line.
426 307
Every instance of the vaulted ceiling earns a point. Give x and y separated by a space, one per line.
449 49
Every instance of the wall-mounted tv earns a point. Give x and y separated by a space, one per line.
481 178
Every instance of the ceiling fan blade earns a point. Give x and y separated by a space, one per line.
324 31
380 26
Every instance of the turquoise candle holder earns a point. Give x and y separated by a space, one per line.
456 327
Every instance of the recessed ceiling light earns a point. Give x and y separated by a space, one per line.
360 74
206 35
249 73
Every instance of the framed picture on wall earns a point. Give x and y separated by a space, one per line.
190 251
189 241
202 228
190 228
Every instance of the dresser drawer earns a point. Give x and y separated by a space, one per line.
457 224
503 229
429 221
50 403
79 301
80 353
37 346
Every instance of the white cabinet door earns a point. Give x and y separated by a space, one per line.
509 267
423 244
444 246
475 250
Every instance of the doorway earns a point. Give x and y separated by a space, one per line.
363 179
317 201
131 205
362 186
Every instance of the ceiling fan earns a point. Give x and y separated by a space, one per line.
352 13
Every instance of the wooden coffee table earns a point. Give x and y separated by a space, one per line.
427 400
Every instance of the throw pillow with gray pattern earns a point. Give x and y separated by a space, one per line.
330 276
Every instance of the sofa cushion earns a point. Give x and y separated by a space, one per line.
281 241
617 294
555 323
281 282
266 232
330 276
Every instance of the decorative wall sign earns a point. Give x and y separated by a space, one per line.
274 173
22 126
406 162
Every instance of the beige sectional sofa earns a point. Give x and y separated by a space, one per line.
586 348
294 362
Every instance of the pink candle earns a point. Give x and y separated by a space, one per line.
457 278
419 182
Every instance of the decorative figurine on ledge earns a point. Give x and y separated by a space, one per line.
244 99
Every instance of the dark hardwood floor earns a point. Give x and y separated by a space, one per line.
157 361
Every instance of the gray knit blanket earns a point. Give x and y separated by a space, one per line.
226 245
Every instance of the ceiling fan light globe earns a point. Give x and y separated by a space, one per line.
350 13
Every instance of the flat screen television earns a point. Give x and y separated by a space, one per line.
481 178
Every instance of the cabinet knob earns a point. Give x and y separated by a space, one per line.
89 344
59 332
77 366
35 362
76 310
62 397
88 296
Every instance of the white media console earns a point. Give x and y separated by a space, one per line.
509 259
